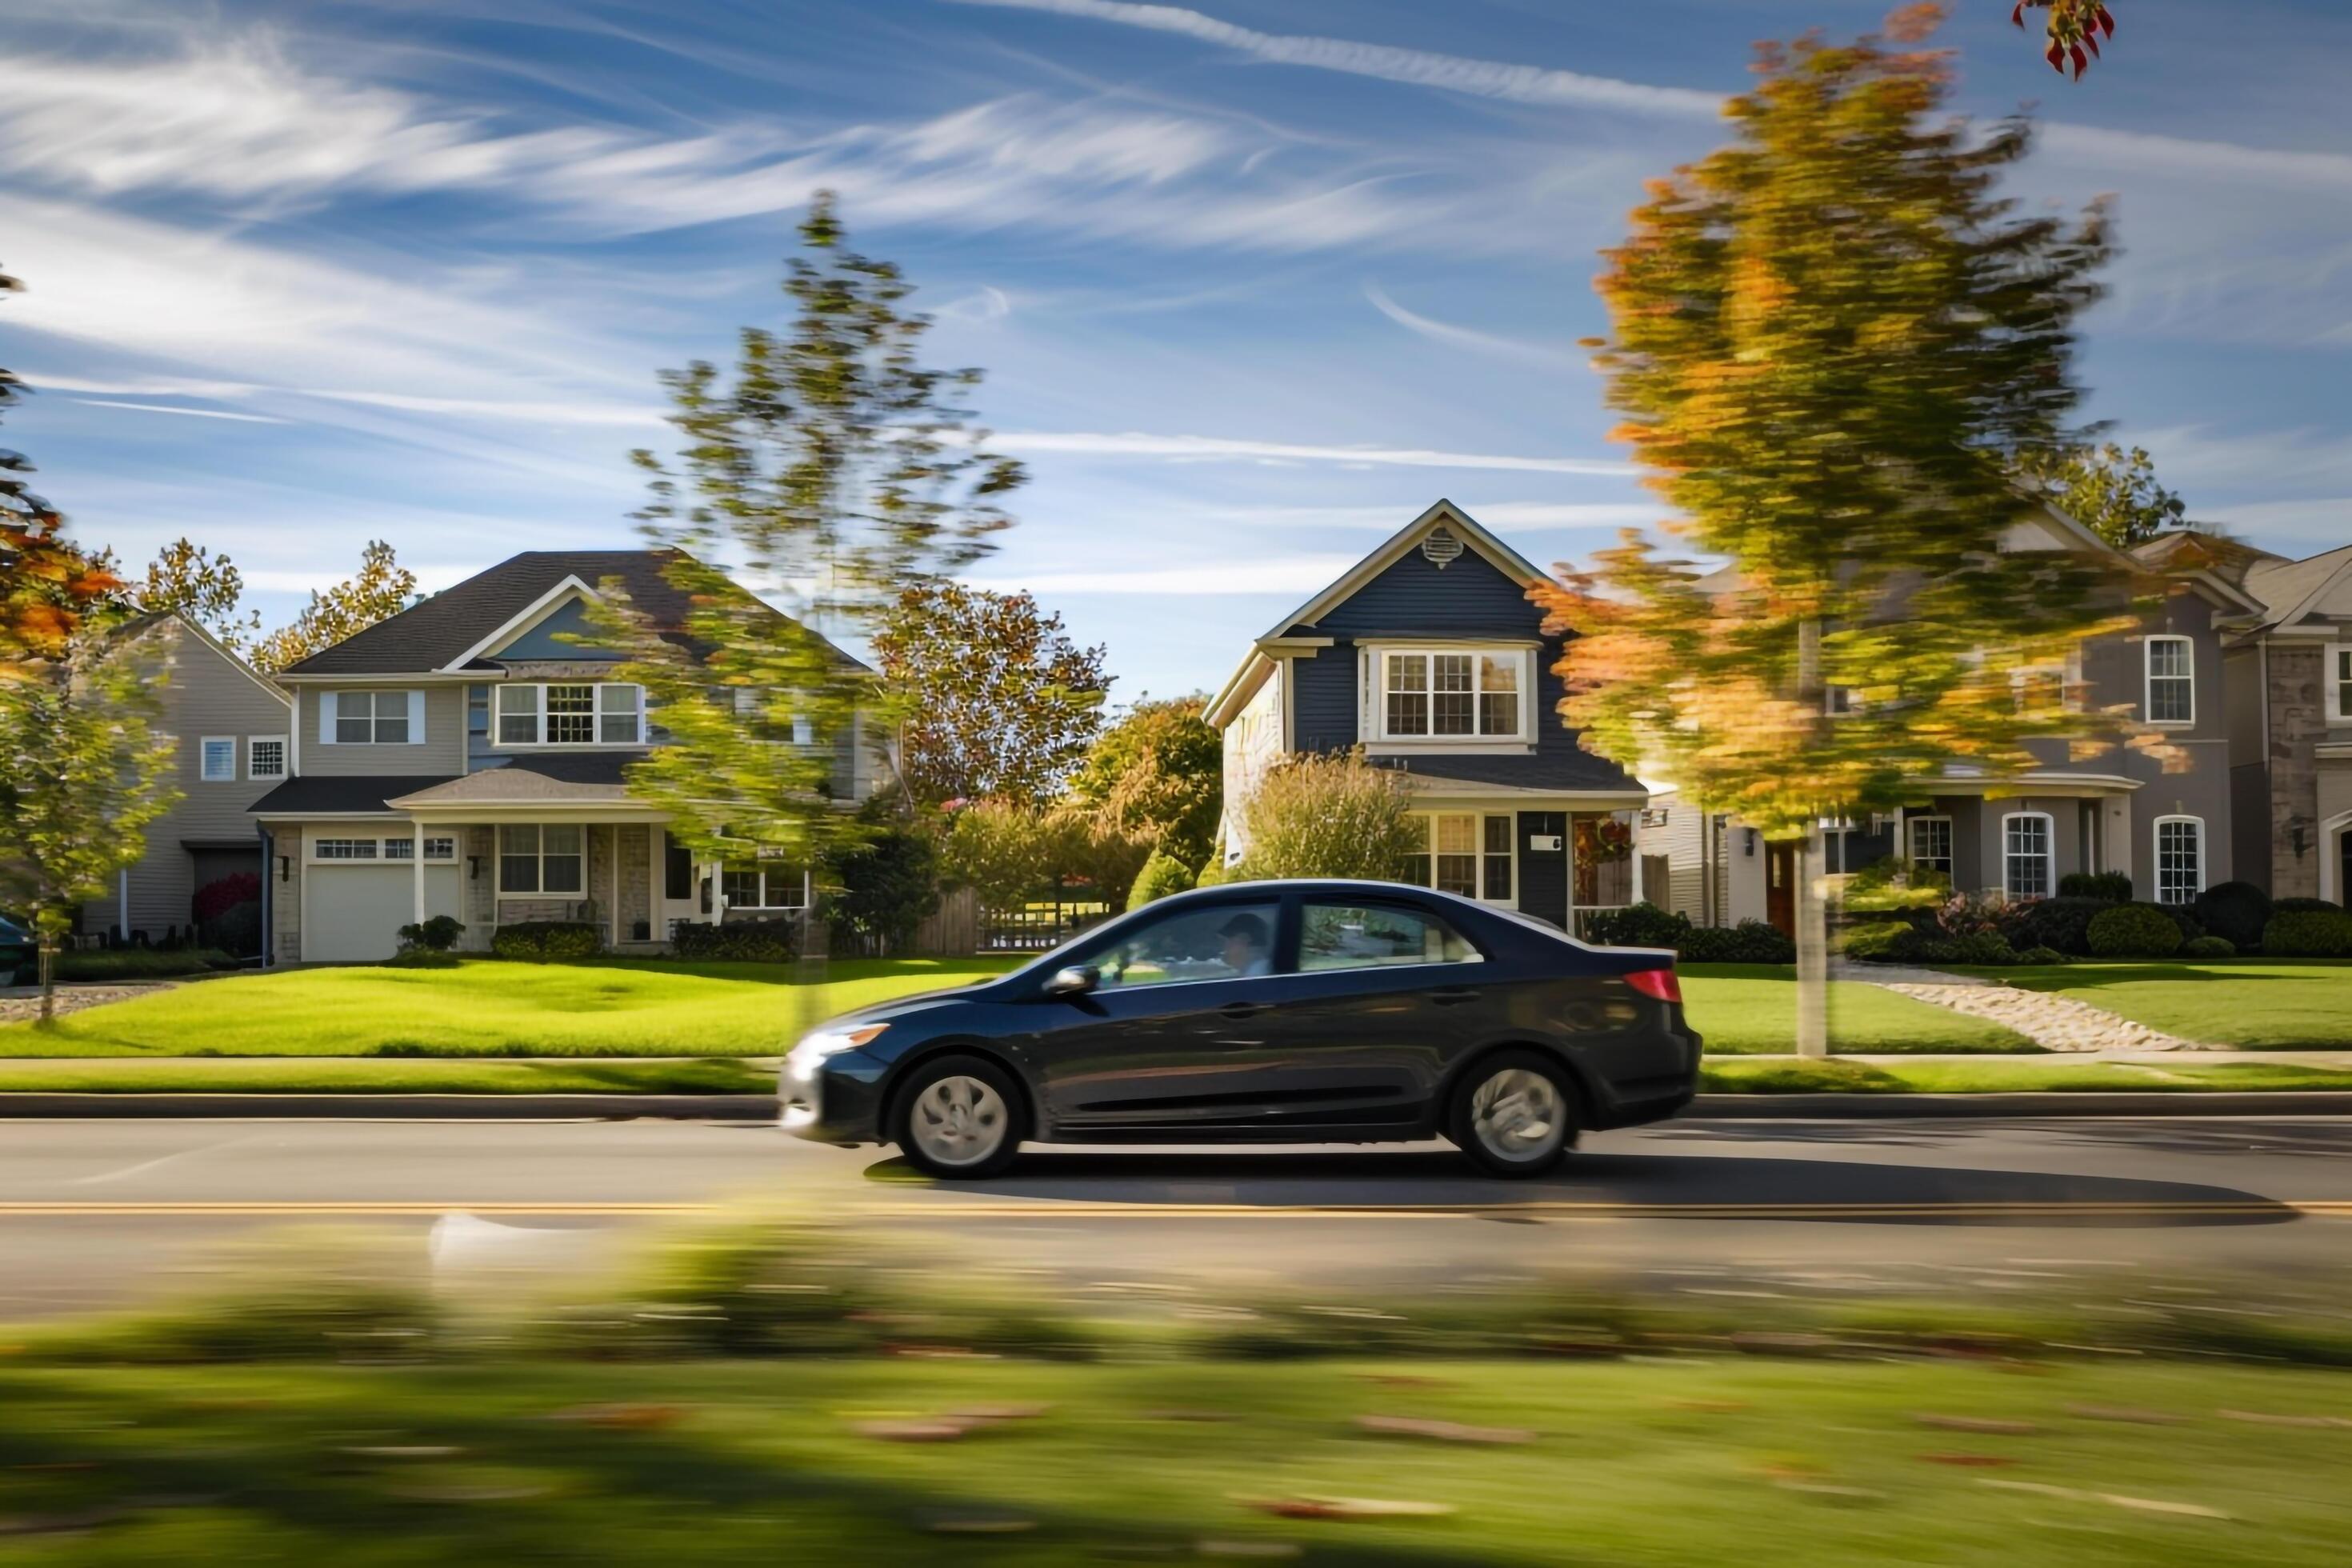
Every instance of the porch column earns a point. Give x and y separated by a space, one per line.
654 926
718 893
416 865
612 915
1634 840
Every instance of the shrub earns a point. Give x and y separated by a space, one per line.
2308 933
540 940
222 894
2062 923
141 962
2208 947
438 934
236 929
1749 942
1983 947
2107 887
2237 910
1967 915
1893 884
1212 871
1643 925
890 886
1162 874
422 958
2043 955
1923 945
1335 815
2135 931
1875 942
741 941
2305 906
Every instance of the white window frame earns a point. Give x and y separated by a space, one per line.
1519 658
768 876
2049 854
315 849
2337 681
597 714
285 745
539 854
2156 863
1950 857
2148 678
441 849
205 759
1508 897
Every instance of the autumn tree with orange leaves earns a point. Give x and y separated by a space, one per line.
1834 344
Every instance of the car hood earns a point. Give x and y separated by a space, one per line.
906 1007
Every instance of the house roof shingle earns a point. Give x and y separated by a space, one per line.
323 794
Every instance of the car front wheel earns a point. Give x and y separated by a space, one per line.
958 1118
1514 1114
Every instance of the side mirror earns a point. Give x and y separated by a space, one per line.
1075 981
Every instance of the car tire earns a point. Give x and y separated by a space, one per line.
1514 1114
958 1118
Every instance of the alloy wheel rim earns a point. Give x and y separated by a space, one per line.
1517 1114
959 1121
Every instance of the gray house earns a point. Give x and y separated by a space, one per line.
465 756
1429 655
235 731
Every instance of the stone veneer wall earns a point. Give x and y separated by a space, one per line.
285 897
481 903
2297 725
636 886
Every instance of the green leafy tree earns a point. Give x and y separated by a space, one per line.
1015 852
889 885
1834 346
378 590
1159 769
2110 491
207 588
991 697
1329 815
837 471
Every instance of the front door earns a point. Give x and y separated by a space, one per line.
1780 887
1543 866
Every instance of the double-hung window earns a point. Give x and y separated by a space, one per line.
541 858
2026 855
1931 842
569 714
2179 860
1461 852
218 758
2171 680
1437 693
2339 683
762 885
371 718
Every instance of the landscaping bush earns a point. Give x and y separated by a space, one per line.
236 929
141 962
2305 906
890 886
2107 887
2237 910
1162 874
438 934
1983 947
1875 942
1335 816
2043 955
743 941
1642 925
1749 942
2062 923
2308 933
222 894
1212 871
422 958
538 941
2135 931
2208 947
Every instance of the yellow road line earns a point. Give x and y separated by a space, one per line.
953 1209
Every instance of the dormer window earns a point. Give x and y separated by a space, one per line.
571 713
1433 694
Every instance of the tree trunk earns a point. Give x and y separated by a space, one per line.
48 952
1812 950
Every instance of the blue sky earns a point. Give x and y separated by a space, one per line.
1254 283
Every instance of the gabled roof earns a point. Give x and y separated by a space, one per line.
449 629
2289 590
1443 514
2184 548
145 621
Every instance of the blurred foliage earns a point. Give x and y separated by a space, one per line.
1161 876
2110 491
1159 767
378 590
207 588
1013 853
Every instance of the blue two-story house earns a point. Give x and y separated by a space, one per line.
1430 655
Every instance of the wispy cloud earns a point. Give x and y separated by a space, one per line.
188 413
1211 448
1286 576
1468 338
1419 68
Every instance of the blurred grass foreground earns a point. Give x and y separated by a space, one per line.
771 1390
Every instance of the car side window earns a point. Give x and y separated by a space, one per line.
1377 936
1228 942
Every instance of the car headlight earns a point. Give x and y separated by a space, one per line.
814 1047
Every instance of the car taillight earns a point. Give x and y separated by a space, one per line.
1658 983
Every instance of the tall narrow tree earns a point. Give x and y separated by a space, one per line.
1834 344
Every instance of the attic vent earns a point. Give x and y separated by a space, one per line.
1442 548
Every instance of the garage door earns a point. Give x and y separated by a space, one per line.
353 914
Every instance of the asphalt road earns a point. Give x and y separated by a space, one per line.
100 1213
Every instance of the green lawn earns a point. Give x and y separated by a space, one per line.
2047 1073
2251 1003
381 1075
1745 1008
614 1007
1732 1459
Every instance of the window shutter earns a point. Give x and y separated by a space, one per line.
416 718
326 717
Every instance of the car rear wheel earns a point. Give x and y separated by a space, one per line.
958 1118
1514 1113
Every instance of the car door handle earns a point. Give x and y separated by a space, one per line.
1238 1010
1448 995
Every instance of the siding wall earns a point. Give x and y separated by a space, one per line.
441 750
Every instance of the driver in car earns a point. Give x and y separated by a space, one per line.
1246 946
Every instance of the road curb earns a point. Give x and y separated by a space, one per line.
762 1107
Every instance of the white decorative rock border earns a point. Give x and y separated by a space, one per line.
2053 1023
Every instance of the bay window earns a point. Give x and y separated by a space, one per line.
541 858
571 713
1440 693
